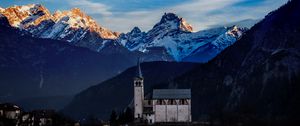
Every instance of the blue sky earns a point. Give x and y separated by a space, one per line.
123 15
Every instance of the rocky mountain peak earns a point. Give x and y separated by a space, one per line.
37 19
22 16
173 22
169 17
35 8
135 30
1 9
236 31
76 11
185 26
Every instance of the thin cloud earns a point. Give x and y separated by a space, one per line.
201 14
146 19
91 7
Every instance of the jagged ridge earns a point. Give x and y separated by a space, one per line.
176 36
73 26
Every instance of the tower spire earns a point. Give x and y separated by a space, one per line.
139 71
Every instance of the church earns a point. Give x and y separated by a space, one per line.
165 105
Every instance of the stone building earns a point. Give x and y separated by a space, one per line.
164 105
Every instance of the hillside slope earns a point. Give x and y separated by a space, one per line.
49 67
116 93
254 81
257 78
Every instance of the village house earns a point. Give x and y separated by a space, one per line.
12 115
165 105
10 111
38 118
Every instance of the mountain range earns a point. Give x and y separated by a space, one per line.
51 67
171 39
177 37
71 26
52 52
240 74
255 81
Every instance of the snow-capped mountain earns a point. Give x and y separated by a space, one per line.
178 39
172 38
72 26
218 39
23 16
133 40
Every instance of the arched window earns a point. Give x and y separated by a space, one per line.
160 102
183 102
138 83
172 102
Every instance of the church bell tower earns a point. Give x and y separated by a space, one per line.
138 92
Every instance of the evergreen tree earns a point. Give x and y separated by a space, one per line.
128 115
113 118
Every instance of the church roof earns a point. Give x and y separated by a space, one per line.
171 94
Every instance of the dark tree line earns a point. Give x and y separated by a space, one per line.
125 117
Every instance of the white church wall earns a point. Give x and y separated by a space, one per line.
190 110
183 113
171 113
160 113
150 118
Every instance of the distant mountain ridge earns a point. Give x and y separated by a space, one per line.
172 38
177 37
72 26
50 67
255 81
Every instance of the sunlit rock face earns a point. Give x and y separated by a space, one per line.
72 26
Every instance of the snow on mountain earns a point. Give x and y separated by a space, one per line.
175 35
72 26
76 19
23 16
229 37
171 36
1 9
225 37
133 40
